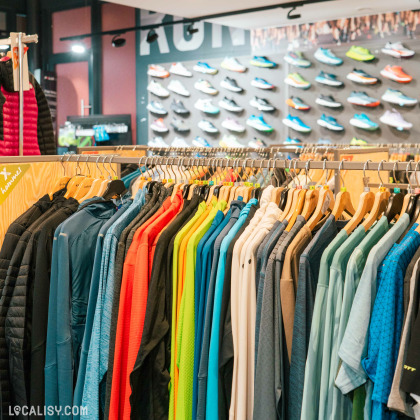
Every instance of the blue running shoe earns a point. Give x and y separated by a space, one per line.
259 124
328 79
202 67
363 99
201 142
156 107
396 97
292 141
326 56
297 124
364 122
297 59
261 84
324 141
206 105
330 123
260 61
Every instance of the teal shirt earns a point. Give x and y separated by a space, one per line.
332 320
311 391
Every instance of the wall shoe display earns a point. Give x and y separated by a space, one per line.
264 62
230 105
296 58
330 123
201 142
232 64
326 56
360 76
394 119
358 142
257 143
231 84
177 87
155 70
297 103
292 141
180 70
328 79
157 142
159 126
179 125
297 124
208 127
396 74
297 81
230 140
206 105
206 87
359 53
261 104
261 84
324 141
204 68
157 89
179 142
364 122
397 50
178 107
396 97
259 124
363 99
328 101
155 107
233 125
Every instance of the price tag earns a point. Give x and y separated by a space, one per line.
257 185
343 189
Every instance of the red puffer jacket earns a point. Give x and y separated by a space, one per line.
9 144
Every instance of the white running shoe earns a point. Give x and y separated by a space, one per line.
233 125
155 70
177 87
395 119
206 87
179 142
208 127
397 50
229 140
157 142
232 64
180 70
159 126
157 89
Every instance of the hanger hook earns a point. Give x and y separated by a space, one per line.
340 167
307 171
87 166
381 164
97 166
324 168
103 164
110 165
407 169
415 172
393 170
365 167
77 166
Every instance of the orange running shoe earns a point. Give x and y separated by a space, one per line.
396 73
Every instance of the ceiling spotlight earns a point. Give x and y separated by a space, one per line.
4 47
191 30
118 42
296 16
78 48
152 36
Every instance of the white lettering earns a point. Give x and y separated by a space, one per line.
194 43
150 18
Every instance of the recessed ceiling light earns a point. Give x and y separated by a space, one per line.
78 48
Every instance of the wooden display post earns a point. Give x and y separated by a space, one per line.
23 184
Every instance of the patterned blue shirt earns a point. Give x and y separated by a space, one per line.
386 323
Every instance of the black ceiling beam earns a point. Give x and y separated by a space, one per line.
195 19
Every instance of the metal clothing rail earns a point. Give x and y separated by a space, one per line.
343 165
22 39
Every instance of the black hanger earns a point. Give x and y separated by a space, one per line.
394 206
115 188
283 199
256 193
412 205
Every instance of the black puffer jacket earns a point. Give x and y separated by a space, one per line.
46 141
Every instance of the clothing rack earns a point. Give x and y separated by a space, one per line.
22 39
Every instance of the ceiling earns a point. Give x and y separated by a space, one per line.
269 18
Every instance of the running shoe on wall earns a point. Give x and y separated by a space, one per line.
364 122
157 142
230 140
231 84
156 107
330 123
328 79
292 141
297 124
180 70
326 56
159 126
297 81
395 119
259 124
358 142
179 125
157 89
260 61
363 99
397 50
297 103
261 84
201 142
257 143
155 70
359 53
232 64
261 104
230 105
233 125
296 58
328 101
204 68
208 127
360 76
396 97
206 87
178 107
206 105
179 142
396 74
177 87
